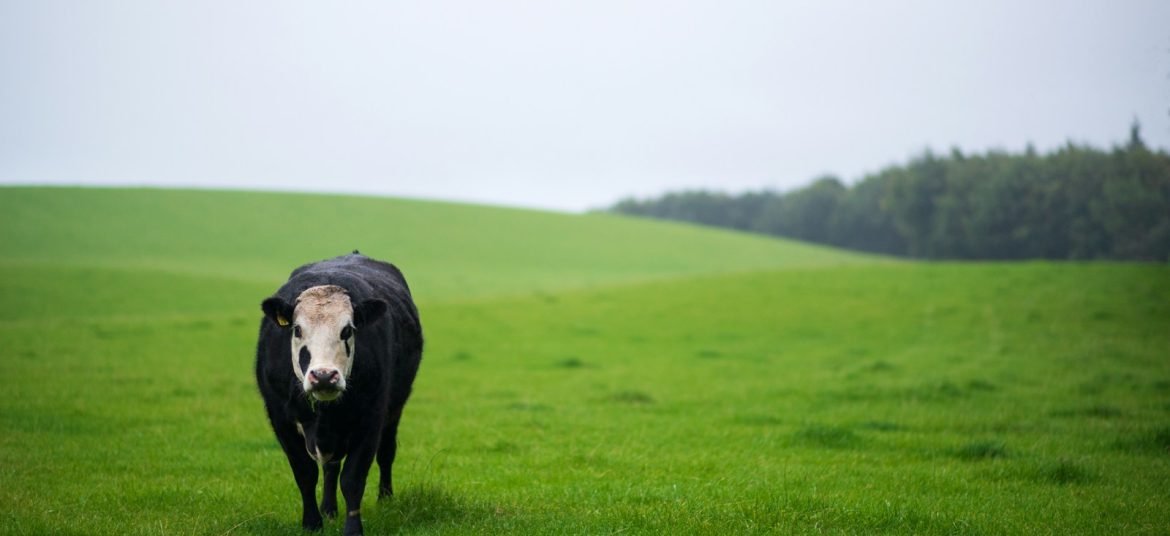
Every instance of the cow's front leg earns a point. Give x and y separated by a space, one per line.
353 482
329 496
307 482
304 470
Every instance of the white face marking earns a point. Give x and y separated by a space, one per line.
323 325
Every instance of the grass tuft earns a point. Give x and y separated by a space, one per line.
631 397
572 362
882 426
503 447
462 355
758 420
1065 472
528 406
1155 441
981 385
1098 411
1161 439
827 436
982 450
944 391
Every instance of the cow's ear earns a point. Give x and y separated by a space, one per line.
278 310
368 311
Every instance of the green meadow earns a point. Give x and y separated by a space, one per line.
583 374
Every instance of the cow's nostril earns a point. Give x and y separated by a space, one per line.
323 376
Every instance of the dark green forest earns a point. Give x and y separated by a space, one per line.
1077 202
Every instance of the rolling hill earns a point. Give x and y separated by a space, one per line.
450 251
583 374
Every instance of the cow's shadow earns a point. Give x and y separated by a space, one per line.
411 510
420 506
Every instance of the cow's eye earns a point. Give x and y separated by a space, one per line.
297 331
346 333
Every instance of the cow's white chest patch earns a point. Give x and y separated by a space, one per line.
323 457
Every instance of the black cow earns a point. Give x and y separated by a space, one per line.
340 344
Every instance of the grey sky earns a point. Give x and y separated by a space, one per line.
564 105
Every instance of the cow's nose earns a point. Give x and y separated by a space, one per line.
323 377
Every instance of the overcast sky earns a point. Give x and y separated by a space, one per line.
554 104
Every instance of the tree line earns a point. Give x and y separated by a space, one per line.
1076 202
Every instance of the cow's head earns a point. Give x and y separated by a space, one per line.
322 327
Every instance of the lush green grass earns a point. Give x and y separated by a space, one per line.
583 374
451 252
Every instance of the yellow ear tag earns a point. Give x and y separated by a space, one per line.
281 320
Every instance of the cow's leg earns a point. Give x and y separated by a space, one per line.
387 448
304 470
329 496
353 481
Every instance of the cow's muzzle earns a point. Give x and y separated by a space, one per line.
324 383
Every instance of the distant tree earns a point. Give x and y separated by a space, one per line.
805 213
1074 203
863 222
1135 137
913 198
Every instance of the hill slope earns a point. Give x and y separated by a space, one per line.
583 374
448 251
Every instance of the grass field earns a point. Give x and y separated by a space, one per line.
583 375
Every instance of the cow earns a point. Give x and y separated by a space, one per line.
340 344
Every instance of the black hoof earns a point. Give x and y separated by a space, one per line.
329 510
353 526
312 525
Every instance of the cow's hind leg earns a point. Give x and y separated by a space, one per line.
387 449
329 496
